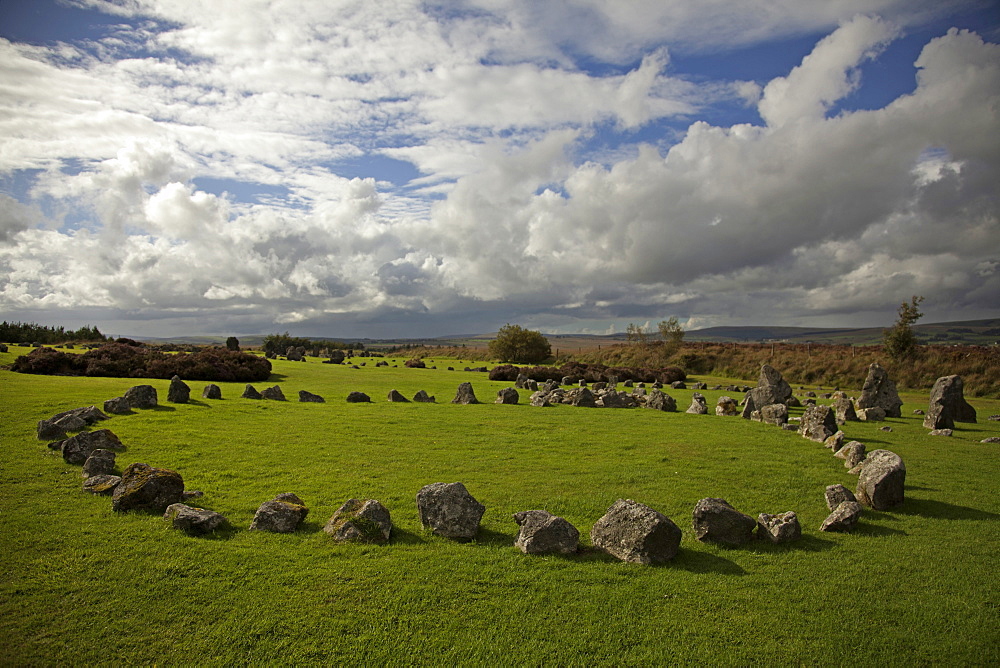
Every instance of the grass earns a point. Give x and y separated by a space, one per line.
81 584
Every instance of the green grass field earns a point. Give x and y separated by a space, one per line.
83 585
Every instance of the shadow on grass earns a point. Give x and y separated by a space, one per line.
275 378
703 562
807 543
195 402
942 511
868 529
159 408
404 537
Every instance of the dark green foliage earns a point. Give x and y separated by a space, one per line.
899 340
119 360
232 343
29 332
592 373
513 343
278 344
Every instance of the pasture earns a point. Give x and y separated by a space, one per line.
83 585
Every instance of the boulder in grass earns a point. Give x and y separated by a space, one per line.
396 397
837 494
634 532
881 480
449 510
540 399
714 520
103 484
360 521
273 393
144 487
358 398
77 449
141 396
584 398
193 521
48 431
843 518
423 398
726 406
991 439
88 415
661 401
541 532
818 423
118 406
507 396
250 392
282 514
948 405
873 414
853 454
843 407
179 392
776 414
835 442
779 528
310 398
100 462
465 395
880 392
211 391
699 406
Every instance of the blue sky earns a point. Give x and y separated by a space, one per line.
427 168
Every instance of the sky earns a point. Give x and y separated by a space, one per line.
414 169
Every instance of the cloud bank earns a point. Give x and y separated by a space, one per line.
193 173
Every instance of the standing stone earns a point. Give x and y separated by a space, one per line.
716 521
843 407
465 395
358 521
835 442
879 391
422 397
779 528
661 401
948 404
726 406
178 392
141 396
541 532
211 391
843 518
193 521
881 481
310 398
250 392
449 510
358 398
853 454
507 395
818 423
771 389
396 397
520 382
144 487
584 398
633 532
282 514
699 406
118 406
273 393
77 449
837 494
100 462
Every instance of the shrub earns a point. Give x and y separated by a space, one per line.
415 364
513 343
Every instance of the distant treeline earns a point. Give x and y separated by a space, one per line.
277 344
29 332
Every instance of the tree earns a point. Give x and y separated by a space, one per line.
232 343
513 343
899 340
672 334
636 334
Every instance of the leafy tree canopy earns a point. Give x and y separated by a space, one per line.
513 343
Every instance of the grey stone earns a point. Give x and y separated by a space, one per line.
879 391
103 484
178 392
423 398
835 442
193 521
49 431
818 423
396 397
100 462
273 393
873 414
358 398
837 494
853 454
77 449
726 406
310 398
360 521
211 391
844 409
991 439
843 518
780 528
449 510
507 395
250 392
698 405
144 487
282 514
633 532
541 532
948 405
940 432
661 401
465 395
141 396
881 480
540 400
118 406
776 414
714 520
584 398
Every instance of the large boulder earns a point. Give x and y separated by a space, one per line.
661 401
144 487
178 392
881 481
843 408
843 518
449 510
282 514
837 494
507 395
880 392
541 532
634 532
100 462
714 520
360 521
771 389
193 521
779 528
776 414
948 404
727 406
310 398
103 484
49 431
422 397
818 423
465 395
250 392
141 396
699 406
77 449
118 406
396 397
211 391
540 399
273 393
358 398
584 398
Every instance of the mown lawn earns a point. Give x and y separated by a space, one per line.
83 585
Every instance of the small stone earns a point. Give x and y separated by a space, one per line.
193 521
465 395
211 391
358 521
714 520
837 494
283 514
726 406
874 414
141 396
779 528
358 398
100 462
250 392
940 432
449 510
101 484
818 423
507 395
835 442
843 518
541 532
118 406
991 439
178 392
144 487
77 449
273 393
396 397
634 532
422 397
310 398
886 429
